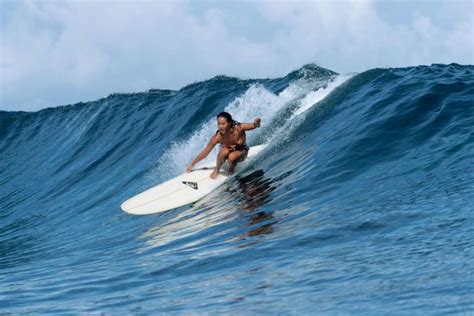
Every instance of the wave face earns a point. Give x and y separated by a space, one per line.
363 201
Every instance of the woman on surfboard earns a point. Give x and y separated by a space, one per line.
231 136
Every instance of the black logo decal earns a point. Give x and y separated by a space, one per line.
190 184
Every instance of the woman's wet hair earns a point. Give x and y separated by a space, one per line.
228 118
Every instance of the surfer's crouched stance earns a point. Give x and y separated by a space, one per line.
231 135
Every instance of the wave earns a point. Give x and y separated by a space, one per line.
360 168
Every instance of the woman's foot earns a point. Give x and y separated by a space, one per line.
230 171
214 174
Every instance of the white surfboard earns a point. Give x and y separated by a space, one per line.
182 190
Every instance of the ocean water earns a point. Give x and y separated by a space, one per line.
363 202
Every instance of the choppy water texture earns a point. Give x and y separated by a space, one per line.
362 203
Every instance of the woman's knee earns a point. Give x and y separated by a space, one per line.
233 158
223 153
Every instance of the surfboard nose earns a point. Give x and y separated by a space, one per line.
125 206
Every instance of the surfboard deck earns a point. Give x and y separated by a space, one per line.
185 189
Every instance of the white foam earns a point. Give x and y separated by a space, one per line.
308 101
314 97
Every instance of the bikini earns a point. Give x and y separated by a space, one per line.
238 147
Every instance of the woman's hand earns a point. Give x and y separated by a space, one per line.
257 122
190 168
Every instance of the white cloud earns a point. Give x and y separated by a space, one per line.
56 53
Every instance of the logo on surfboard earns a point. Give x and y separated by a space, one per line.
191 184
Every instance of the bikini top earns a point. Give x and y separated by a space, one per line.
238 146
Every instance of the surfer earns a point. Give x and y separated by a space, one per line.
231 136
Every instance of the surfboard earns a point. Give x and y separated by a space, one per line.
185 189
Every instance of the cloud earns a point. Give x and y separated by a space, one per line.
351 36
56 52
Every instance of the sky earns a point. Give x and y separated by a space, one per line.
59 52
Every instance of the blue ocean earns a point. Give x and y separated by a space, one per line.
362 202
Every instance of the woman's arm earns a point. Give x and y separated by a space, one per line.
203 154
251 126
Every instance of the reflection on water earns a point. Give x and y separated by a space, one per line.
254 191
263 229
216 215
